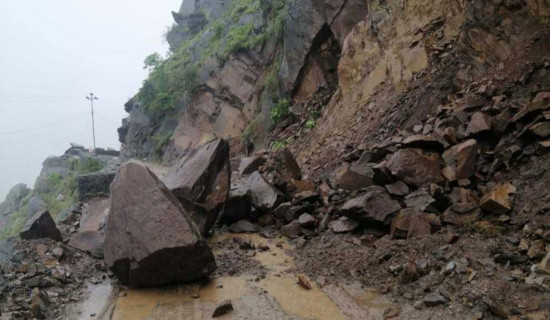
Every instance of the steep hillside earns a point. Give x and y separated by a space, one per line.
231 67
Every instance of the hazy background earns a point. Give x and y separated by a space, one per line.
54 53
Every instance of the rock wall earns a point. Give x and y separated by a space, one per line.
231 102
408 59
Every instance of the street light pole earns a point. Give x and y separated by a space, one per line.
91 97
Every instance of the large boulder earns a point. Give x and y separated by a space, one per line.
461 160
41 225
203 178
375 206
150 239
265 197
415 167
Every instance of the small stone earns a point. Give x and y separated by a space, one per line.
398 188
292 230
434 299
479 123
304 282
537 249
307 221
497 201
343 225
222 308
58 252
244 226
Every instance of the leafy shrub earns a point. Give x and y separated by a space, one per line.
280 110
310 123
152 61
161 141
279 144
89 165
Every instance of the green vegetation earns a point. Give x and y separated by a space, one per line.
161 141
49 191
152 61
279 144
177 77
17 220
280 110
310 123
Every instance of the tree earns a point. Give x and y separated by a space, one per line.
152 61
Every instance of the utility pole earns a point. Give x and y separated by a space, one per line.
91 97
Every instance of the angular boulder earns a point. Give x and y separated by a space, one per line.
349 179
250 164
41 225
265 197
415 167
238 205
479 123
149 238
427 142
287 165
374 206
460 160
497 200
410 223
203 178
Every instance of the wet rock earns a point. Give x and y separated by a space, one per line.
381 174
287 165
397 188
541 129
498 200
409 273
540 102
479 123
88 241
238 205
496 307
375 206
420 200
434 299
292 230
537 249
150 239
307 221
282 209
264 196
544 266
450 216
410 223
426 142
348 179
222 308
415 167
343 225
202 178
305 196
244 226
41 225
461 160
512 258
250 164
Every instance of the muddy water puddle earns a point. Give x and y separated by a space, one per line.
275 296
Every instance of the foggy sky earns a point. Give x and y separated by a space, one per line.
54 53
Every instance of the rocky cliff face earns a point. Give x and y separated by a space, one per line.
295 52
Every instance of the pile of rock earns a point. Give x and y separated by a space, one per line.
41 277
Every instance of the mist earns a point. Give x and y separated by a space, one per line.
54 54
